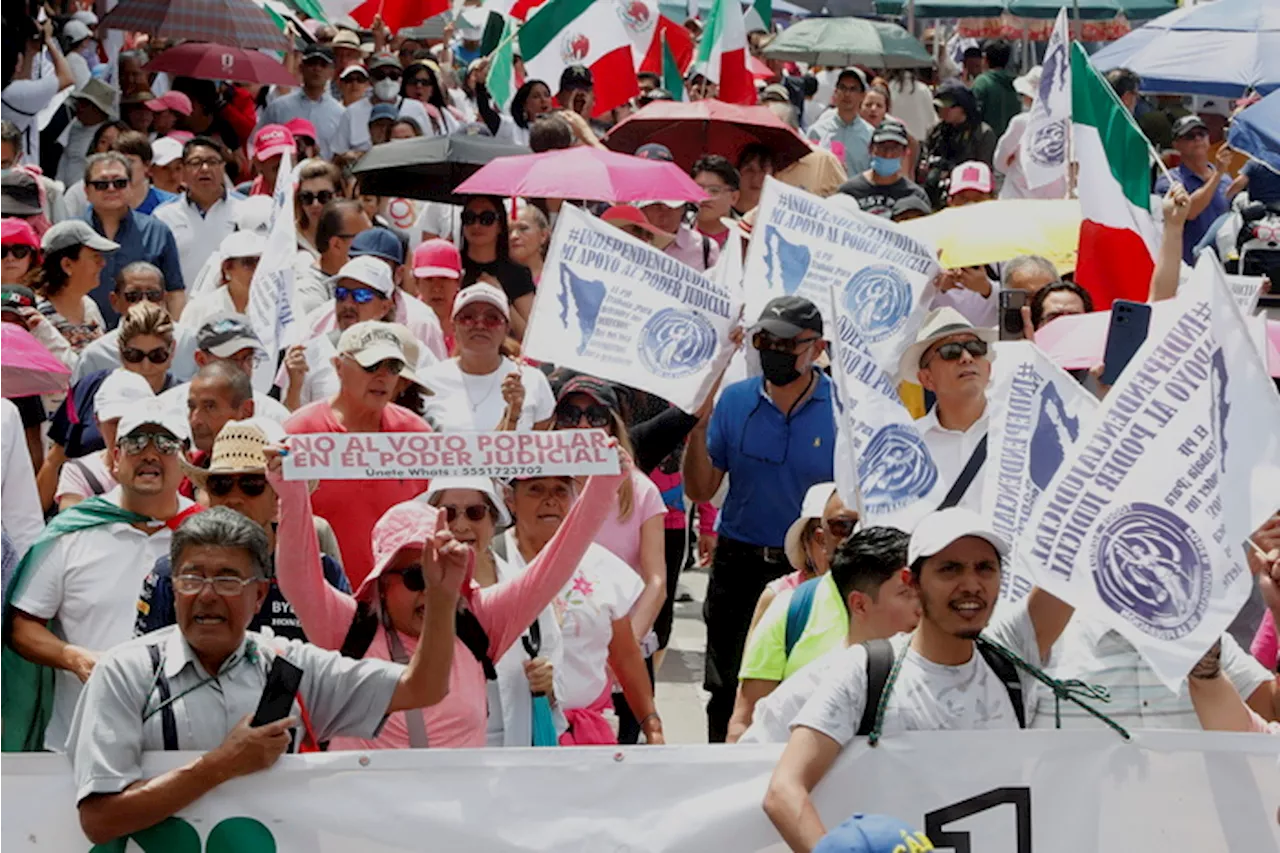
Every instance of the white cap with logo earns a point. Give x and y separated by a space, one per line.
154 412
935 532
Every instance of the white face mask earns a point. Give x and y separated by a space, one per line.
386 90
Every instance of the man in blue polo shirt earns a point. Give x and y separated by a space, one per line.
775 438
1207 185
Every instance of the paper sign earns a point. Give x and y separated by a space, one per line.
425 455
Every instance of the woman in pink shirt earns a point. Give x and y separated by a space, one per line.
384 618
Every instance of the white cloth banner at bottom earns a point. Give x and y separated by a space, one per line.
424 455
989 792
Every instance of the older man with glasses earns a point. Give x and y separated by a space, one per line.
774 437
205 214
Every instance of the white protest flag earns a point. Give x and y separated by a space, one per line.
883 466
804 245
616 308
1036 411
1043 150
1143 527
271 293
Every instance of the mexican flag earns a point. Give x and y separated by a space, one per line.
561 33
502 80
1118 236
760 16
722 53
668 36
396 14
672 78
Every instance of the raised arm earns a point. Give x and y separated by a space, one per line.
1049 616
506 609
1164 278
325 612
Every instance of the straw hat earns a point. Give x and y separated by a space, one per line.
941 323
238 449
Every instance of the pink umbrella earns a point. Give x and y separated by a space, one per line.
26 367
589 174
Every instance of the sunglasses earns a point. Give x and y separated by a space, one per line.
390 74
135 296
475 512
840 527
250 485
420 81
487 218
488 319
953 350
113 184
133 355
391 365
411 578
569 415
134 444
361 295
19 252
308 198
766 342
224 585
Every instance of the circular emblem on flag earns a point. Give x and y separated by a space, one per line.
635 15
895 469
1152 568
1049 145
676 342
878 298
574 47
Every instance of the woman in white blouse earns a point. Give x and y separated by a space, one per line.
480 388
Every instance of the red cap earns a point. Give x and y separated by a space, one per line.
18 232
272 141
301 127
437 259
175 101
625 214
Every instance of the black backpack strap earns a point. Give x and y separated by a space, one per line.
706 252
94 482
168 722
1007 672
971 469
473 636
879 664
533 640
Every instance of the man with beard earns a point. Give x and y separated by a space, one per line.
75 594
955 671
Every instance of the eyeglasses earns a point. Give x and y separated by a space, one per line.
411 577
355 78
361 295
133 355
488 319
569 415
1195 134
223 585
19 252
952 350
715 191
250 485
391 365
766 342
420 81
133 297
848 90
113 184
475 512
198 163
308 198
840 527
166 445
487 218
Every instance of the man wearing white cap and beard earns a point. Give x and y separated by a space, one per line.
952 359
85 571
955 564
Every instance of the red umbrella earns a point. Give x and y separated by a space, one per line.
241 23
590 174
28 368
696 128
219 62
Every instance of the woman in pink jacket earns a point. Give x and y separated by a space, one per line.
384 618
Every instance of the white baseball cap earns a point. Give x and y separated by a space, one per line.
118 393
815 503
935 532
242 244
153 411
483 485
481 292
371 271
165 150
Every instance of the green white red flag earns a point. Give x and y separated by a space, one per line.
594 33
722 53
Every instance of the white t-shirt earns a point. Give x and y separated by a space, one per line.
442 220
88 584
263 406
771 720
463 402
926 696
23 516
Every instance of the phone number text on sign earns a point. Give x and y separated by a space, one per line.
424 455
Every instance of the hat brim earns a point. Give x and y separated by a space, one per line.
200 476
226 349
101 244
777 328
436 272
792 545
13 207
909 364
1199 125
272 151
380 352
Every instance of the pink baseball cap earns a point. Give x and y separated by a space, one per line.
971 175
175 101
18 232
301 127
405 525
437 259
272 141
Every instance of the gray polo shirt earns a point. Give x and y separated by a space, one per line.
108 733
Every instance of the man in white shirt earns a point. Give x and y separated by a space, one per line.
94 105
226 337
312 101
25 96
944 678
23 516
205 214
950 358
341 221
86 581
353 130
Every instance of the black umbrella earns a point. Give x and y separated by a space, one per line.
428 168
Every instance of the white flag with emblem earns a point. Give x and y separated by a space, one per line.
1043 150
271 293
1144 526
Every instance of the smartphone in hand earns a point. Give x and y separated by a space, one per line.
283 681
1128 329
1011 302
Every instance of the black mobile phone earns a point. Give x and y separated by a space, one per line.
283 682
1011 302
1128 329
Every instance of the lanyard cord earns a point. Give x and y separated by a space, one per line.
155 682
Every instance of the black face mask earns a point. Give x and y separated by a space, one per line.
779 367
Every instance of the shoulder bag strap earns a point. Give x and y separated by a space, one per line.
94 482
168 722
798 609
1008 675
962 483
879 664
